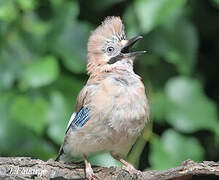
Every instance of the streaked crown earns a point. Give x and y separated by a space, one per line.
109 50
110 31
109 34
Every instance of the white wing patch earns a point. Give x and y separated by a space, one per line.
71 119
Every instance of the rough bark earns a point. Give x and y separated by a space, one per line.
27 168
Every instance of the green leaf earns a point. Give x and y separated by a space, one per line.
8 11
183 46
37 148
58 117
216 2
177 43
17 140
190 109
172 149
68 38
104 160
27 5
5 128
13 56
35 30
71 45
30 113
12 134
65 12
159 107
41 72
151 13
131 23
105 4
69 86
135 154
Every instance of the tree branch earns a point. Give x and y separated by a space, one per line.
27 168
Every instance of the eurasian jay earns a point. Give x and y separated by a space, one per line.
112 108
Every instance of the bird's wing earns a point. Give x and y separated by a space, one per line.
81 114
70 121
78 119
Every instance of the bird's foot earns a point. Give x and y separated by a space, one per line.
127 166
90 175
132 171
89 171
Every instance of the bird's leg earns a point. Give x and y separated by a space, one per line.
88 170
125 163
129 167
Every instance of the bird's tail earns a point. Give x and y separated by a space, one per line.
61 153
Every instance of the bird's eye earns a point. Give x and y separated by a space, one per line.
110 49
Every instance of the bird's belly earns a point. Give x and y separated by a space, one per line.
123 115
115 124
126 122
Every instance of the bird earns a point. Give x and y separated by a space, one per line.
112 108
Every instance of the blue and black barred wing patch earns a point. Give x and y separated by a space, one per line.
79 119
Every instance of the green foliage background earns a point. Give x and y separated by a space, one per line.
43 67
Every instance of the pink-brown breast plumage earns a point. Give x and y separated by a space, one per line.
119 111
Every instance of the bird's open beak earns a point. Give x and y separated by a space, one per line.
126 49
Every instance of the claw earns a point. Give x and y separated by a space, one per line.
93 177
90 174
132 171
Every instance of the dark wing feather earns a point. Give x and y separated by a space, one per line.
80 119
77 120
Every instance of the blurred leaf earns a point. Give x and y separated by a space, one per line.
190 109
158 156
151 13
4 120
216 2
71 45
41 72
64 14
135 154
104 160
36 147
59 116
8 12
15 49
35 32
13 55
131 23
68 38
7 77
69 87
4 29
173 148
183 46
159 107
27 5
30 113
136 151
177 43
105 4
65 11
62 106
35 26
17 140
